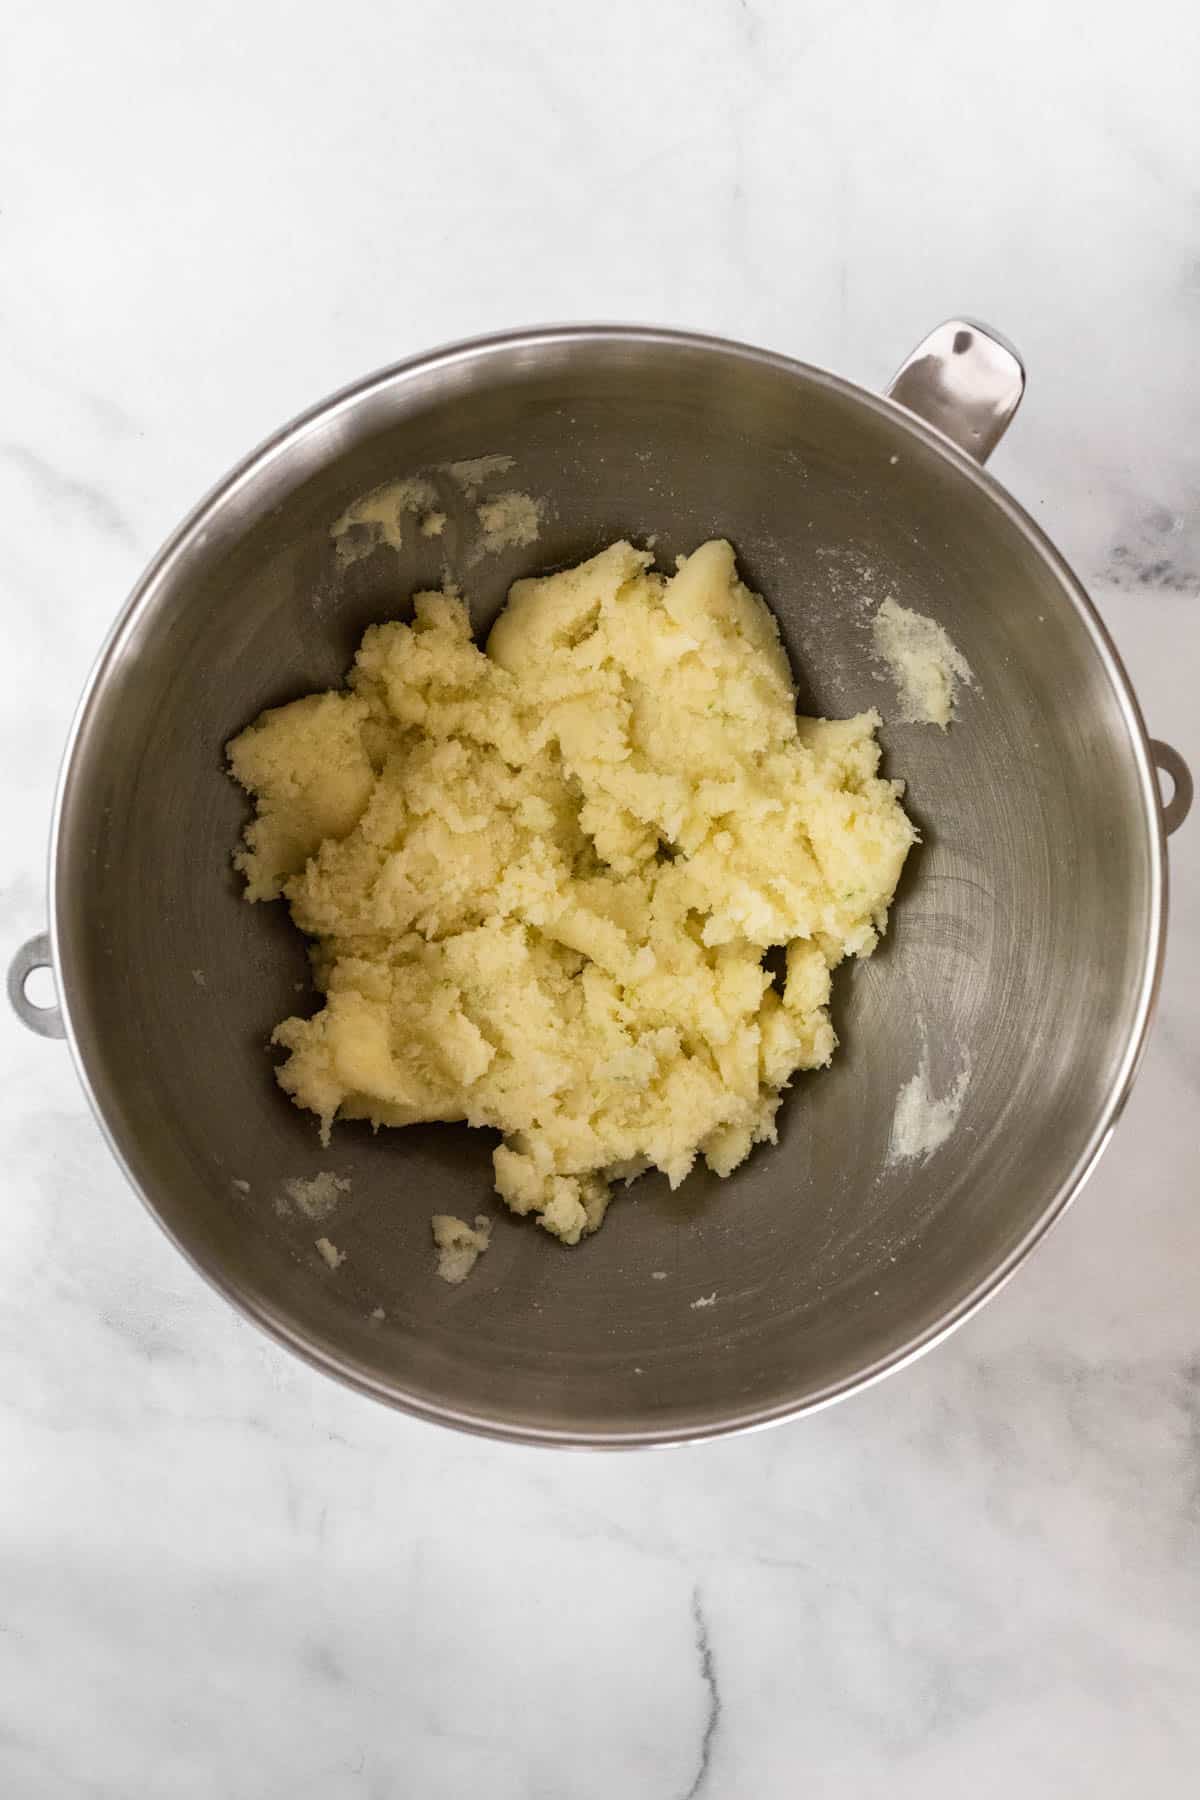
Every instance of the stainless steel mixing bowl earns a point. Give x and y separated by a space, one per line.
1026 936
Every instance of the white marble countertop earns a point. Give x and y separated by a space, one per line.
219 1573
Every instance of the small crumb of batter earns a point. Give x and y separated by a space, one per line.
316 1196
378 517
329 1253
459 1246
433 524
922 1121
507 522
471 474
925 666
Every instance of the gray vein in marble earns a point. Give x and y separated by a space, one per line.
69 492
109 416
708 1675
1183 1056
1189 1405
156 1340
1167 172
749 26
1130 568
321 1661
20 899
1159 551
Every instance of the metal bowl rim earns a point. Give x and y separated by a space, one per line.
156 578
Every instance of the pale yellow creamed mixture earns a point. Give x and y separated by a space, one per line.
541 879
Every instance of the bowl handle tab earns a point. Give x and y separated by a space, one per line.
965 379
1176 809
47 1021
